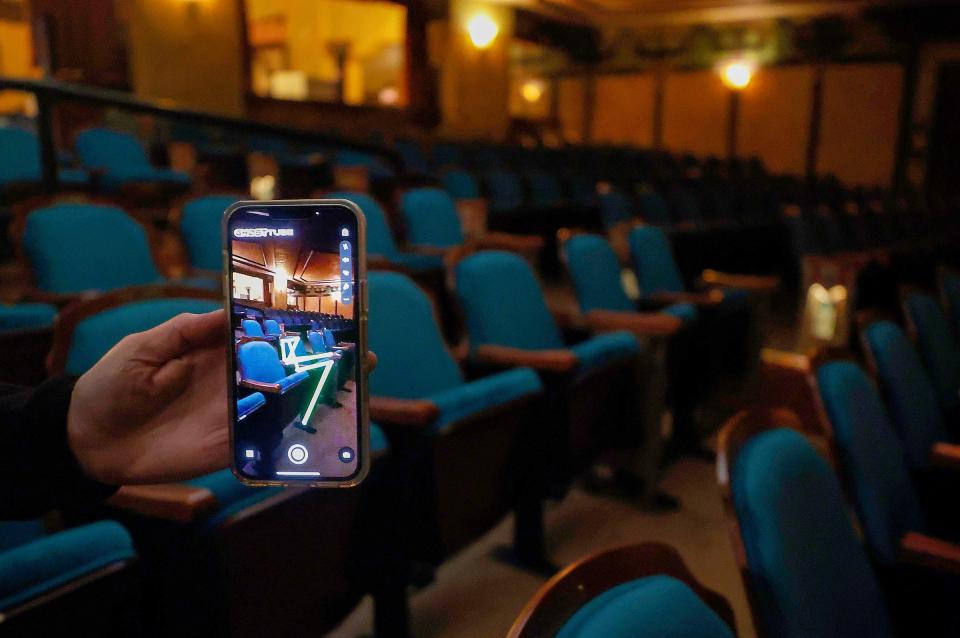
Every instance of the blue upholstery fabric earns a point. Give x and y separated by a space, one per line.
605 348
951 291
20 160
871 456
653 260
258 361
616 207
123 158
461 184
912 400
26 316
811 576
232 495
75 248
412 359
42 565
938 347
651 607
317 343
251 328
200 227
686 312
272 328
430 215
15 533
545 189
595 271
96 334
470 398
376 167
250 404
505 191
484 280
378 440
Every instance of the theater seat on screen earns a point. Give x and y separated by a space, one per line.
467 440
79 248
635 591
592 385
51 584
804 569
120 160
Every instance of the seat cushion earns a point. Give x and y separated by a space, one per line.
471 398
26 316
651 607
95 335
42 565
605 348
14 533
250 404
232 495
291 381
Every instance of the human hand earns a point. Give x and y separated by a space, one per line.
154 408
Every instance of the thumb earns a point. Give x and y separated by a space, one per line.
180 335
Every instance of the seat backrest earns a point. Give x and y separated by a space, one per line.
258 361
251 328
74 248
938 346
461 184
871 457
595 271
646 608
413 360
94 335
109 149
271 327
503 302
20 159
379 238
317 343
505 190
653 261
616 207
545 188
907 388
200 226
808 574
431 218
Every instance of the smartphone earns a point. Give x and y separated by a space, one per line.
295 282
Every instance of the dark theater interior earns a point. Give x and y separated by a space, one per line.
661 337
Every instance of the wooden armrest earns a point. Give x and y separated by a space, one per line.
787 360
273 388
170 501
393 411
705 298
945 455
753 283
568 320
511 242
642 324
920 550
545 360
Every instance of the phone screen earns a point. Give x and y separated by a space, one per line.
295 278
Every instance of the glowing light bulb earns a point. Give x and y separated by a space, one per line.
737 75
482 30
532 90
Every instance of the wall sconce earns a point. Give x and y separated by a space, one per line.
532 90
736 74
482 30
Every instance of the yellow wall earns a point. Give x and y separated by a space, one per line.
775 118
190 52
475 84
624 109
861 106
695 113
16 59
572 93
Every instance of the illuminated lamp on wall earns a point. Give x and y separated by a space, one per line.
388 96
532 90
736 74
482 30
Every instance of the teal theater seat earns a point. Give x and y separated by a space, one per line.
469 427
431 219
121 159
380 242
616 208
376 167
200 226
651 607
939 349
461 184
806 570
26 316
76 248
653 209
653 261
20 161
505 192
250 404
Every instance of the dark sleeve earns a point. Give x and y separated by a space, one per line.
38 471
